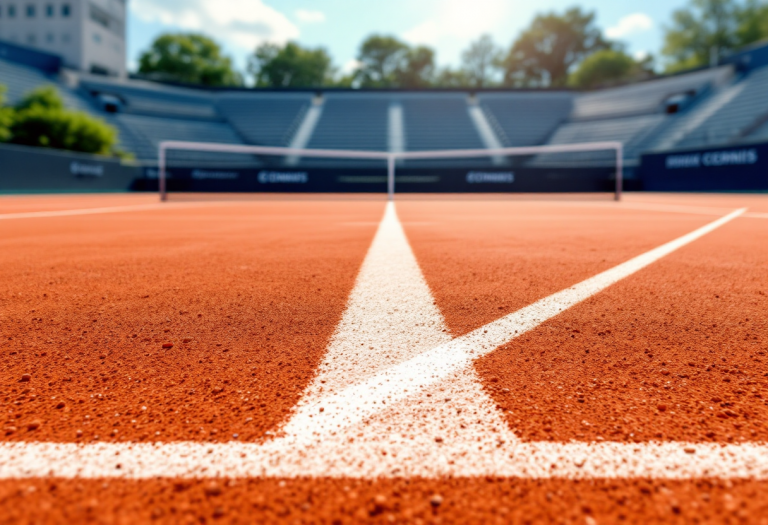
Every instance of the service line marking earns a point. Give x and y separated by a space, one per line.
115 209
395 397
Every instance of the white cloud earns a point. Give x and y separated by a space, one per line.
641 55
630 25
310 17
242 23
459 19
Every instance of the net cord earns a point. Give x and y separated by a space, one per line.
390 157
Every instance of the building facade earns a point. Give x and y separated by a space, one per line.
89 35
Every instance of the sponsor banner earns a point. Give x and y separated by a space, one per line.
732 168
372 180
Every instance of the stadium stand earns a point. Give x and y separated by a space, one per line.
652 96
715 106
435 121
736 119
760 133
264 119
352 122
525 119
146 98
142 135
20 80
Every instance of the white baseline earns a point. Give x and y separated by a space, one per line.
377 414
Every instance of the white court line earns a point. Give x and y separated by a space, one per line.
119 209
356 403
334 443
693 210
88 211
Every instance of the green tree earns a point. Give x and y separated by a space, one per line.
386 61
607 67
480 61
41 119
382 60
6 117
753 23
452 78
190 58
544 54
290 66
702 30
418 68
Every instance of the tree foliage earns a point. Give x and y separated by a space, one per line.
40 119
609 67
753 22
707 29
480 61
544 54
190 58
386 61
6 117
290 66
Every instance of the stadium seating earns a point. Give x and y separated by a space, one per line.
736 120
351 121
264 119
645 97
20 80
525 119
146 98
722 105
435 121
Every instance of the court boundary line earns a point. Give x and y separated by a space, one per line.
279 458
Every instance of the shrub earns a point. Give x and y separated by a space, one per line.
41 119
6 117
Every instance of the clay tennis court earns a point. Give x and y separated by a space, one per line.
338 360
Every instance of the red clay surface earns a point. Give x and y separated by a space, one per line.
38 203
256 290
675 352
347 501
247 296
483 260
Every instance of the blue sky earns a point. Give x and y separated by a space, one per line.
340 25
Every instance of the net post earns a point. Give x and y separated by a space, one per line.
619 171
161 173
391 177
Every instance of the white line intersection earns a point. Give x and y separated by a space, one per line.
396 395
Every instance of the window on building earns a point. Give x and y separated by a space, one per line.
31 11
66 10
11 11
31 39
66 38
97 38
49 38
49 10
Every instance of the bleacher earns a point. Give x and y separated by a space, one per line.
715 106
142 135
632 115
736 120
646 97
525 119
20 80
349 121
436 121
146 98
264 119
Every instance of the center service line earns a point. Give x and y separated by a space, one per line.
361 401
